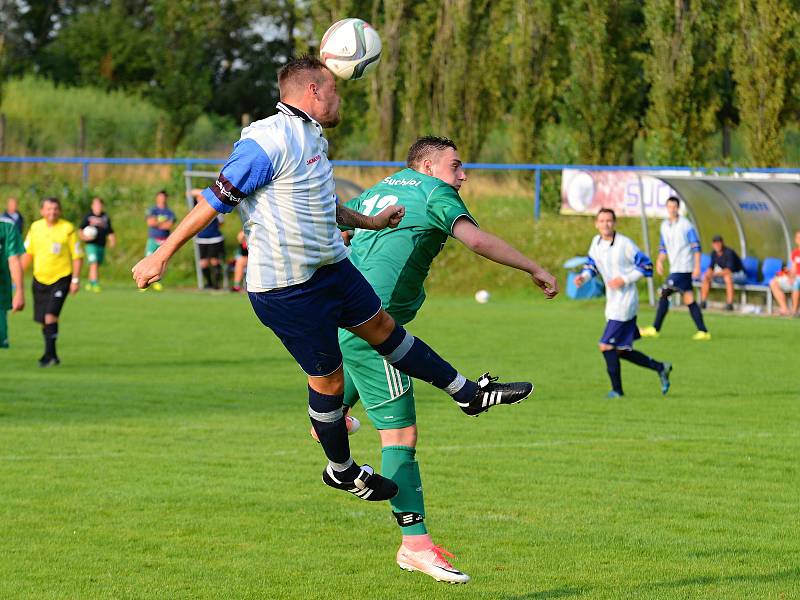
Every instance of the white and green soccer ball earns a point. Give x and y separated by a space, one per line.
350 48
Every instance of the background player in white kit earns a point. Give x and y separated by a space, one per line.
621 264
680 243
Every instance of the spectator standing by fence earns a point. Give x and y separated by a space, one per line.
96 231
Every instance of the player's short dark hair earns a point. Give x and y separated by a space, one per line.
674 199
52 199
162 192
298 69
606 210
425 146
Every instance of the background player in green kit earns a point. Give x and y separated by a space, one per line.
11 251
396 262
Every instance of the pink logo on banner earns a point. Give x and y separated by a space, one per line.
586 192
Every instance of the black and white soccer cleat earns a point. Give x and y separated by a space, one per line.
490 393
368 485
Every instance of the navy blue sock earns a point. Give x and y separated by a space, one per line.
327 419
661 312
641 360
614 370
416 359
697 316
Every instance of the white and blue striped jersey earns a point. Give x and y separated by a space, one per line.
280 177
618 257
679 242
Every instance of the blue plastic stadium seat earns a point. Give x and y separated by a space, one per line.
705 263
770 267
751 269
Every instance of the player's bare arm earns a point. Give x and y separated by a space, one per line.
660 264
151 268
388 217
16 270
498 250
75 286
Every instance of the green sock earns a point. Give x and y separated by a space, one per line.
3 329
399 465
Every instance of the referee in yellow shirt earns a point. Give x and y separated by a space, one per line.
52 245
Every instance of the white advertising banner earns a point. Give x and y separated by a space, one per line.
585 192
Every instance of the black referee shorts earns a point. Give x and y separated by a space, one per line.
48 299
215 250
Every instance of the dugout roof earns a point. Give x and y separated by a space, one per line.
755 216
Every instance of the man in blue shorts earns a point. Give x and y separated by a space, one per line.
680 243
299 279
621 264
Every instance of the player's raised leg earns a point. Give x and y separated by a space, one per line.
412 356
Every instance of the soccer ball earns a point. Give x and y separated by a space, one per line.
482 296
89 232
350 48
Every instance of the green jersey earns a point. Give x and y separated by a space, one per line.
396 261
10 245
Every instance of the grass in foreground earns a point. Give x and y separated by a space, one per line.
168 457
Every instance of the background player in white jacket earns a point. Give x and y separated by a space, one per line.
621 264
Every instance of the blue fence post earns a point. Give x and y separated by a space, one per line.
537 202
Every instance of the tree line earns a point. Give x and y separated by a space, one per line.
592 77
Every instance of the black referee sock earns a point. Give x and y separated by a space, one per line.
207 276
697 316
641 360
614 370
50 333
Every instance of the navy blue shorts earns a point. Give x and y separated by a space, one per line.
679 282
306 317
621 334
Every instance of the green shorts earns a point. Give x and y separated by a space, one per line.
95 253
387 394
152 246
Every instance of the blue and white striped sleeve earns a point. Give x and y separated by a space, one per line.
694 241
589 269
247 169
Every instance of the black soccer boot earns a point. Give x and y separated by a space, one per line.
368 485
490 393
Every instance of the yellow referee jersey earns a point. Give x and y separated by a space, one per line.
53 249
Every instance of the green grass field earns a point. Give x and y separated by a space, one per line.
169 457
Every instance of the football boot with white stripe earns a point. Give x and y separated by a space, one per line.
431 562
490 393
368 485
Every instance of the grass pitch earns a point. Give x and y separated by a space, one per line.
168 457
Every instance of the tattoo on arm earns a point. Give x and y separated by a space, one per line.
349 217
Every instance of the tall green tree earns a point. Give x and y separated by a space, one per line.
391 18
680 68
533 56
761 51
467 70
602 99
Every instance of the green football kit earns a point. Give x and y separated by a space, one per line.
10 245
396 263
